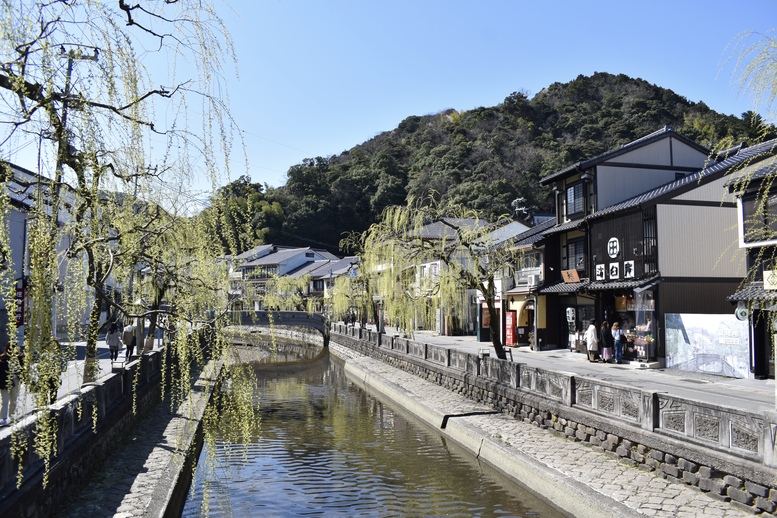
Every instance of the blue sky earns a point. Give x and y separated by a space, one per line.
318 77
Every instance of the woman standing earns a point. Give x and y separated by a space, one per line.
606 346
618 337
591 341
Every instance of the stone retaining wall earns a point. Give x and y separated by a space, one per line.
81 447
725 452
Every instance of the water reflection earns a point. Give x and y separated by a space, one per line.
328 449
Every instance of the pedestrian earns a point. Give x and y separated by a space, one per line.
592 341
606 342
113 338
128 337
5 385
619 339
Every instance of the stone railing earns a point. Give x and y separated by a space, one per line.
726 452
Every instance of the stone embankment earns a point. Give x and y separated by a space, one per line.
585 444
591 447
121 411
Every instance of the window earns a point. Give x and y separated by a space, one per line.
575 255
575 199
759 218
649 240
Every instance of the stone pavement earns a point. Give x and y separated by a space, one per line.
577 477
141 476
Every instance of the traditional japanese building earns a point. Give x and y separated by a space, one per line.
586 188
756 299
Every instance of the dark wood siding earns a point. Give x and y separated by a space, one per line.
628 230
696 297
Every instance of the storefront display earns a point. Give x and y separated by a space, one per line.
635 313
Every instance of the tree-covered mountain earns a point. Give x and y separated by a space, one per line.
482 158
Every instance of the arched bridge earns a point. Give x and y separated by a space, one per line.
285 318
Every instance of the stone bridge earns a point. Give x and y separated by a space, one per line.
263 318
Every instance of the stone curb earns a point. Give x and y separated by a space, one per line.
571 492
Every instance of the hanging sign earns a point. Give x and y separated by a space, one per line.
570 276
741 312
770 279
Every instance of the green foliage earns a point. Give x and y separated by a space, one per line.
423 258
486 157
241 216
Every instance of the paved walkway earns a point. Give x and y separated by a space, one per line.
72 378
576 476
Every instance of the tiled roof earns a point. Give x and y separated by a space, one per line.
754 292
254 252
623 284
534 234
276 258
561 227
587 164
439 230
757 171
565 287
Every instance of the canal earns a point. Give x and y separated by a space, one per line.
327 448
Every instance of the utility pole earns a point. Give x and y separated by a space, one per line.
64 149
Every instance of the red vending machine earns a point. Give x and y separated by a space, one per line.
510 322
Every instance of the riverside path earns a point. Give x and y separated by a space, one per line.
579 478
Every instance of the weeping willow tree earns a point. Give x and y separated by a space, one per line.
284 292
755 58
423 258
121 108
351 298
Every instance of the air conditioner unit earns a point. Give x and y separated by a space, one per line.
534 280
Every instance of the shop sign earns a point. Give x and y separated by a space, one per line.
628 269
600 269
613 247
570 276
770 279
615 271
741 312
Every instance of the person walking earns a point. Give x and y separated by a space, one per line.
618 338
128 337
606 342
592 341
5 385
113 339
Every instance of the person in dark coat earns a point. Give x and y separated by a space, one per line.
606 342
5 385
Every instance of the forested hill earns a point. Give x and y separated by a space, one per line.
483 158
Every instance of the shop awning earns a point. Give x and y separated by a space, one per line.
754 292
637 285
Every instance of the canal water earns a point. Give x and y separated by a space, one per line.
327 448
